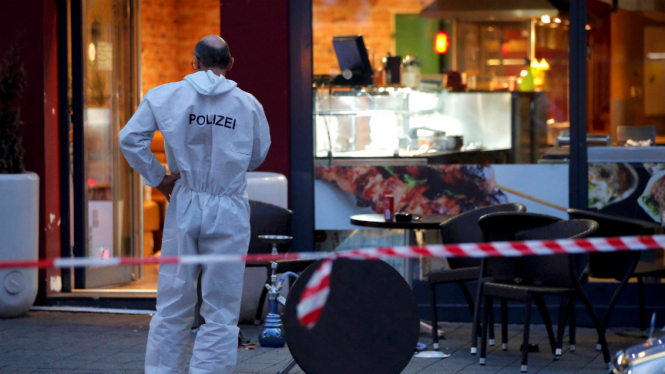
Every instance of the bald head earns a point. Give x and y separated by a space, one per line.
213 52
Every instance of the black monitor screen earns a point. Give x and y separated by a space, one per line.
352 55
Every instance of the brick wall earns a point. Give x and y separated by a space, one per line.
169 31
374 19
171 28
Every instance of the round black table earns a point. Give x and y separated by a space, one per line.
369 324
377 221
426 223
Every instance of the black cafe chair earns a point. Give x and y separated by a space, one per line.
269 219
620 266
529 278
265 219
505 231
462 229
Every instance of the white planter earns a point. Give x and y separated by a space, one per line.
19 240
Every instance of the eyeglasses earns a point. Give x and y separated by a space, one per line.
193 64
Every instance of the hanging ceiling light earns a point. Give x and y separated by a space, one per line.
441 42
92 52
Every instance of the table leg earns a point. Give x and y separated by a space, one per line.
425 328
408 262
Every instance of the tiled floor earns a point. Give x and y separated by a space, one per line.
50 342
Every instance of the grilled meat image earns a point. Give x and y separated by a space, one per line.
435 189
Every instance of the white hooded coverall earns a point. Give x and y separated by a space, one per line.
213 133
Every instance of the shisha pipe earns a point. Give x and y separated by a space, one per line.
272 334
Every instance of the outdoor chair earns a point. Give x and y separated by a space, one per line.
503 231
529 278
265 219
462 229
620 266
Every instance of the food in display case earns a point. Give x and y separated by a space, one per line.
610 183
374 122
377 122
653 197
433 189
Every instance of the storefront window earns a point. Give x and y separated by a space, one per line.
626 104
469 106
491 85
446 107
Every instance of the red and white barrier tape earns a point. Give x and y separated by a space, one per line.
317 289
314 297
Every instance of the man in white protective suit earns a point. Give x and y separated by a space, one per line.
213 133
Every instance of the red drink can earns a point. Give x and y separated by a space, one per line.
388 207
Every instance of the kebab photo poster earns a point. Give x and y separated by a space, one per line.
342 191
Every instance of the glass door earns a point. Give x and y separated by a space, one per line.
110 94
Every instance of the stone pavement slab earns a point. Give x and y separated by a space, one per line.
78 343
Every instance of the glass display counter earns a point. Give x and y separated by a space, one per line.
434 124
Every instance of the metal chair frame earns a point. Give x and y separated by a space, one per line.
531 220
529 293
460 271
626 265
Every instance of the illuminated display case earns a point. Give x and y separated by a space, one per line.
428 123
374 122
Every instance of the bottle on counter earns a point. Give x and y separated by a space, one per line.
380 77
544 74
411 76
392 69
526 77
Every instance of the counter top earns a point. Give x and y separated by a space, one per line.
413 154
626 154
476 156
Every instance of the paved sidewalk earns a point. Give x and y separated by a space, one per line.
77 343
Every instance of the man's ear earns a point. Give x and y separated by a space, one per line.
197 63
230 64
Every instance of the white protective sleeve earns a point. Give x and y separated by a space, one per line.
135 139
261 138
170 159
